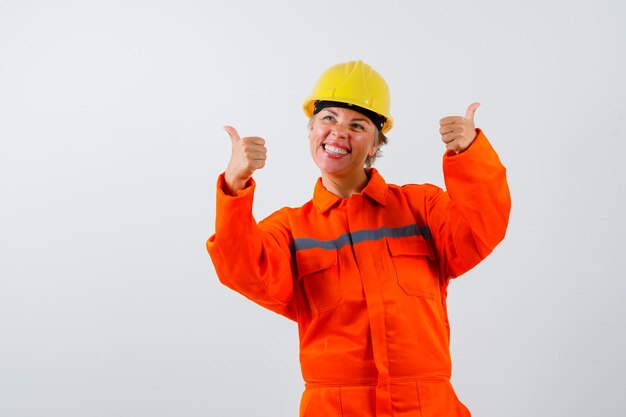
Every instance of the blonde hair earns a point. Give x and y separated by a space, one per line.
382 140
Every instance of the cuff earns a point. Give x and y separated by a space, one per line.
221 188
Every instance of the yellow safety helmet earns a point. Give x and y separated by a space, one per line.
353 83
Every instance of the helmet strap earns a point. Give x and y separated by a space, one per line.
377 119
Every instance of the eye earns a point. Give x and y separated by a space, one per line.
358 126
328 117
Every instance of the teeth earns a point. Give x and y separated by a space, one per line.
334 150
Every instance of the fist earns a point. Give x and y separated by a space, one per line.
458 132
247 155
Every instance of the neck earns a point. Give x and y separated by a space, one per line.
345 187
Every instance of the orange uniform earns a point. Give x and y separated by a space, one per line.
366 280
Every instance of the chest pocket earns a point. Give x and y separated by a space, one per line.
318 271
416 267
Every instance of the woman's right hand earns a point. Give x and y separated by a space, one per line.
248 155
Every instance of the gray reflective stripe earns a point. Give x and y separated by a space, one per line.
359 236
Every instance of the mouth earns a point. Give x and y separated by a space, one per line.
335 150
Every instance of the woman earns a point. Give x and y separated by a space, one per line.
363 267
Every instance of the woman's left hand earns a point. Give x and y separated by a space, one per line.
459 132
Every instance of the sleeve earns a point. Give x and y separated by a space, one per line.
252 259
470 218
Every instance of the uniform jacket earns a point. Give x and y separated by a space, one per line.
366 280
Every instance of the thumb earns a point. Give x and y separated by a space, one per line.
471 109
232 132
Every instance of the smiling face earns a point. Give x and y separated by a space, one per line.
340 139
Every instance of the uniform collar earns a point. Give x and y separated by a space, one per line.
376 189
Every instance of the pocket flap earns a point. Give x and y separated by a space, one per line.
410 246
313 260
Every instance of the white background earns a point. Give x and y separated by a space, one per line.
110 126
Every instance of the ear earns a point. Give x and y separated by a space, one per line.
374 148
311 122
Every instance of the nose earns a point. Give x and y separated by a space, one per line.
340 130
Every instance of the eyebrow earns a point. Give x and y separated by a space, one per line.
357 119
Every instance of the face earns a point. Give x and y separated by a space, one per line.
340 140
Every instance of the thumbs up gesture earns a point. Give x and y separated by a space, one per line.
459 132
248 154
